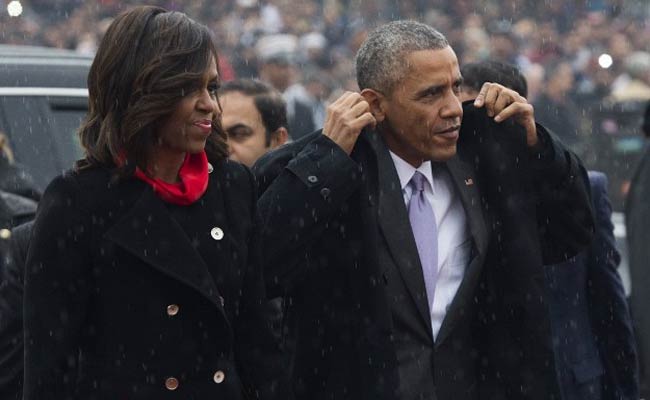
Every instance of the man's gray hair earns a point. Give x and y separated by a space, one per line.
380 60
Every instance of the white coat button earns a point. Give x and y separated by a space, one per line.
171 383
5 233
172 309
216 233
210 168
219 377
312 178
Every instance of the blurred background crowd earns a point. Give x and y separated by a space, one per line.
587 62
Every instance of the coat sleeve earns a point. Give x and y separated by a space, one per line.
564 213
258 351
12 269
57 288
608 306
304 185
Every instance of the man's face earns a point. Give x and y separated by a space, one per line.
278 74
423 113
243 124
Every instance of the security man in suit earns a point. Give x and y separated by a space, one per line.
412 247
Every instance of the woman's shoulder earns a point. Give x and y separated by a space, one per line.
74 185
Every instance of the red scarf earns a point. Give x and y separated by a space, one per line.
194 181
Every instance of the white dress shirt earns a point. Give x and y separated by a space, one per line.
454 244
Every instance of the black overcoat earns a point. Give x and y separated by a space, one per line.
128 297
338 244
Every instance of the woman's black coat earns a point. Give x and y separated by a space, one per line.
124 299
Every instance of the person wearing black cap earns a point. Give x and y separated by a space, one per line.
637 217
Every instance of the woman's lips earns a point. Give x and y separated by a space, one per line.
204 125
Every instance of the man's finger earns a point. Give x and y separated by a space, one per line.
360 108
512 110
364 120
480 97
352 99
502 101
490 99
342 99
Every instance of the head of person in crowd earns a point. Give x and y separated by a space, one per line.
313 49
558 81
503 43
409 75
276 56
637 66
254 118
318 84
475 74
153 95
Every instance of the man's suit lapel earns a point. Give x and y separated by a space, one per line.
394 224
466 186
149 232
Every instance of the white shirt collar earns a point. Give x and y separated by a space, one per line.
405 171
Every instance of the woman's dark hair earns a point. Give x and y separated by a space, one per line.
148 60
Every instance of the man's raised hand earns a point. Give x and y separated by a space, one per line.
503 103
345 119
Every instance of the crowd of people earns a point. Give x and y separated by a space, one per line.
414 247
557 44
577 56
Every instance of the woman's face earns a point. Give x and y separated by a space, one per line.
190 124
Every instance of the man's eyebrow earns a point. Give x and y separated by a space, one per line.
433 89
239 125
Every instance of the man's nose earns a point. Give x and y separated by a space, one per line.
453 108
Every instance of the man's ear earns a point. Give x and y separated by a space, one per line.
376 102
279 137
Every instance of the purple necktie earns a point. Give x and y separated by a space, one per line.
425 231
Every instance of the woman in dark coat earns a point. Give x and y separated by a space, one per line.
143 279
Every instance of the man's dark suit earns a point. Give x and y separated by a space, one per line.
338 243
595 351
637 217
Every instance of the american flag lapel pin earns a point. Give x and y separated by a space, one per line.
469 182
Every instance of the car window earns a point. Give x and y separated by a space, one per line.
42 132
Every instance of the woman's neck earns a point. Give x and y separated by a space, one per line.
165 165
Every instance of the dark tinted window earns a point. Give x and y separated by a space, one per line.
42 133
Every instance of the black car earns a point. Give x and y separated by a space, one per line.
43 99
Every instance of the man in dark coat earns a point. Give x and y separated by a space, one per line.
595 349
13 210
376 315
637 222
